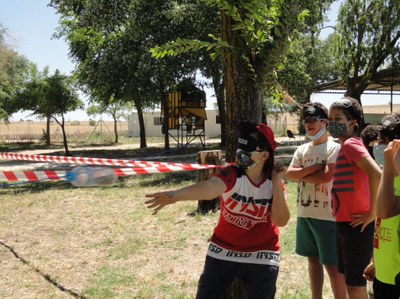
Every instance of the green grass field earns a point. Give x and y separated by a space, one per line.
103 242
58 241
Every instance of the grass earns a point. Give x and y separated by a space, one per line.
102 242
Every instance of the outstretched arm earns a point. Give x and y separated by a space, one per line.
203 190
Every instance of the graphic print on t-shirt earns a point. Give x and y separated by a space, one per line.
245 211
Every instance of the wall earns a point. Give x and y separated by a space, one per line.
279 124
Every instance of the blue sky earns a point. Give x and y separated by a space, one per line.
31 25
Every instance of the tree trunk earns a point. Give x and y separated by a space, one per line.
244 99
141 124
115 129
62 124
210 158
244 96
219 89
48 118
165 121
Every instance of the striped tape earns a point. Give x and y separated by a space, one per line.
59 175
138 167
24 176
102 162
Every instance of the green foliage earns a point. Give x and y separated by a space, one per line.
75 123
14 70
367 40
111 42
308 62
52 95
180 46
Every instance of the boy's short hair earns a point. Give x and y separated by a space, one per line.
316 110
350 107
390 127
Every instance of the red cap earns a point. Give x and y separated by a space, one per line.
268 134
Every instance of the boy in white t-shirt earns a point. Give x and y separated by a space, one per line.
312 166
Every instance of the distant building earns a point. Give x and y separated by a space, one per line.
153 124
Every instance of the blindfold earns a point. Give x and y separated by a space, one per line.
248 143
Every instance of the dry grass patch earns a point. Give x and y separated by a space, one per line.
104 243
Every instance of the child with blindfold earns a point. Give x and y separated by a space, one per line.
312 167
245 242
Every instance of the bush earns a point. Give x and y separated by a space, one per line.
75 123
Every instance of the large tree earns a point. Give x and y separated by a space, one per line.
110 42
50 97
254 34
14 72
115 109
367 38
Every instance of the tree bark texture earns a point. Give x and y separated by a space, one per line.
244 96
138 105
48 130
244 102
116 130
210 158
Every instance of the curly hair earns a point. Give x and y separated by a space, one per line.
390 127
369 134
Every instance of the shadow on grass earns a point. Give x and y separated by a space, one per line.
16 147
164 180
32 187
142 181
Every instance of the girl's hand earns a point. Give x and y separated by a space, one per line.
369 272
279 171
159 200
362 219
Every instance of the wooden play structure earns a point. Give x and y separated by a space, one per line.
185 115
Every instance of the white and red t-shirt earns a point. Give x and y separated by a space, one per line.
314 200
350 191
245 232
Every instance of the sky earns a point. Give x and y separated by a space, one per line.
31 25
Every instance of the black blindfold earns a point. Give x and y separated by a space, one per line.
248 144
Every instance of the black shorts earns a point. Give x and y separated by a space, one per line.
259 280
354 251
385 291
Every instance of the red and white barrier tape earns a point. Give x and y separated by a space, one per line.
40 175
31 176
102 162
138 167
